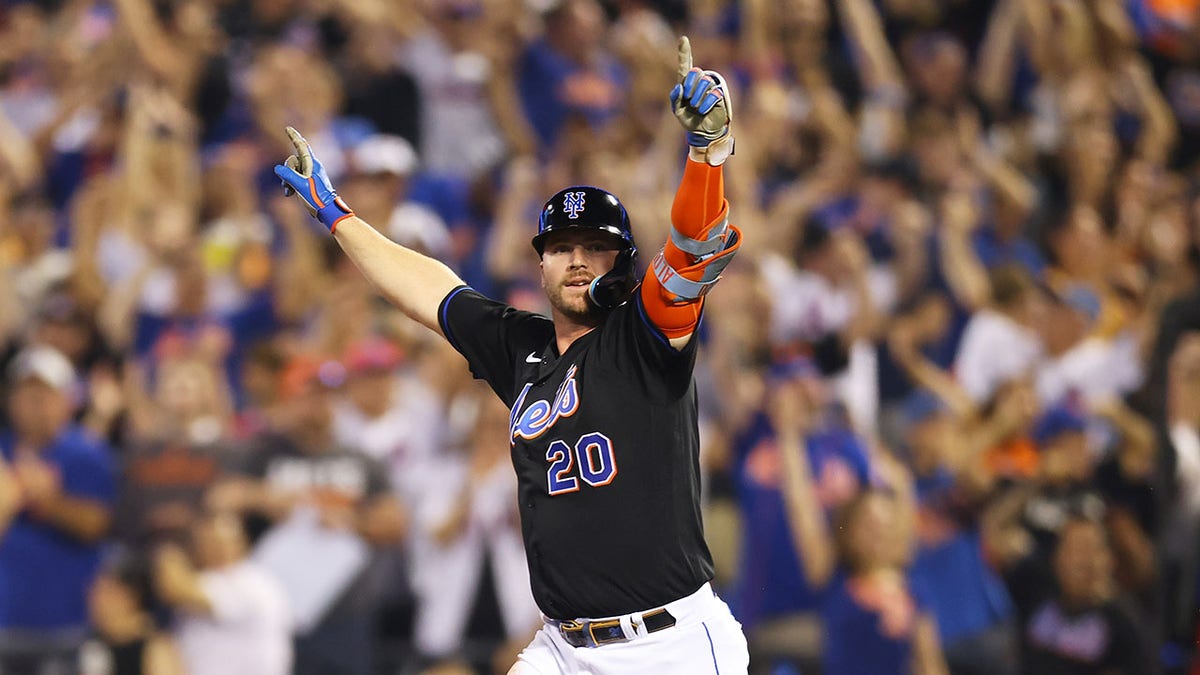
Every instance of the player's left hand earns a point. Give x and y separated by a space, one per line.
303 174
701 103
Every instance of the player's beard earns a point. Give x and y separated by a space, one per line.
572 305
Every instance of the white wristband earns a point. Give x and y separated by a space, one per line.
715 153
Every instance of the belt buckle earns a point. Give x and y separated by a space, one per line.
568 627
611 623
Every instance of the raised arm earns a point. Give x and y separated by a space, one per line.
883 124
702 241
792 416
998 55
11 499
415 283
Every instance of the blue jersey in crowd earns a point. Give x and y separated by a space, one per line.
771 581
964 592
553 88
862 640
44 573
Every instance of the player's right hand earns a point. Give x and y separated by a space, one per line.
701 103
303 174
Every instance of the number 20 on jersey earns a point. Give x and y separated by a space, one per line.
592 454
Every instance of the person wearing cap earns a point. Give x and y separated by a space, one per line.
384 413
381 167
973 610
1071 483
57 488
299 467
1065 469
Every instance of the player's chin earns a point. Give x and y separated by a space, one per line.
572 302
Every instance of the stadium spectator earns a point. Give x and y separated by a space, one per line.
778 607
57 488
468 527
124 611
301 466
569 73
973 610
996 202
1077 625
231 616
380 172
176 447
876 618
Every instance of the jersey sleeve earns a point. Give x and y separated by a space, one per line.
637 346
492 336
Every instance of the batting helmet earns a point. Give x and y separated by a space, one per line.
583 206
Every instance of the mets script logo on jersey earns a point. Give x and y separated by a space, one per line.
573 203
537 419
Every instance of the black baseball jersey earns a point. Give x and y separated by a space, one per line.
605 446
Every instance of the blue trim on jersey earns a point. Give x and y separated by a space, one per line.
711 649
442 315
655 329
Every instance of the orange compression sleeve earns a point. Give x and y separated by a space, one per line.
699 206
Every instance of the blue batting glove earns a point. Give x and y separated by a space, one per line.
303 174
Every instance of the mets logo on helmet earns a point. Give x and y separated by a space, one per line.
573 203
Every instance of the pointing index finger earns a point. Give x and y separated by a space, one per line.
303 153
685 56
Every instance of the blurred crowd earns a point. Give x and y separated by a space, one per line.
950 390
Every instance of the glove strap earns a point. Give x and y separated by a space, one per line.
714 153
333 213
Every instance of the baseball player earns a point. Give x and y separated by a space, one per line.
603 404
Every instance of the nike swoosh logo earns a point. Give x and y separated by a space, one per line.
533 358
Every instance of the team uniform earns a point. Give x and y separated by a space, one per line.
605 446
604 435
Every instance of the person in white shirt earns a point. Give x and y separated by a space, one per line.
1078 362
385 412
232 617
824 297
467 523
998 343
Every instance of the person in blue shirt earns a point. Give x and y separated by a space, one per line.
975 616
875 615
568 74
768 586
57 487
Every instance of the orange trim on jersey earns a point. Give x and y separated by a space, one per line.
699 205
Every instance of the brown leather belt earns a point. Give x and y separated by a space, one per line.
599 633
